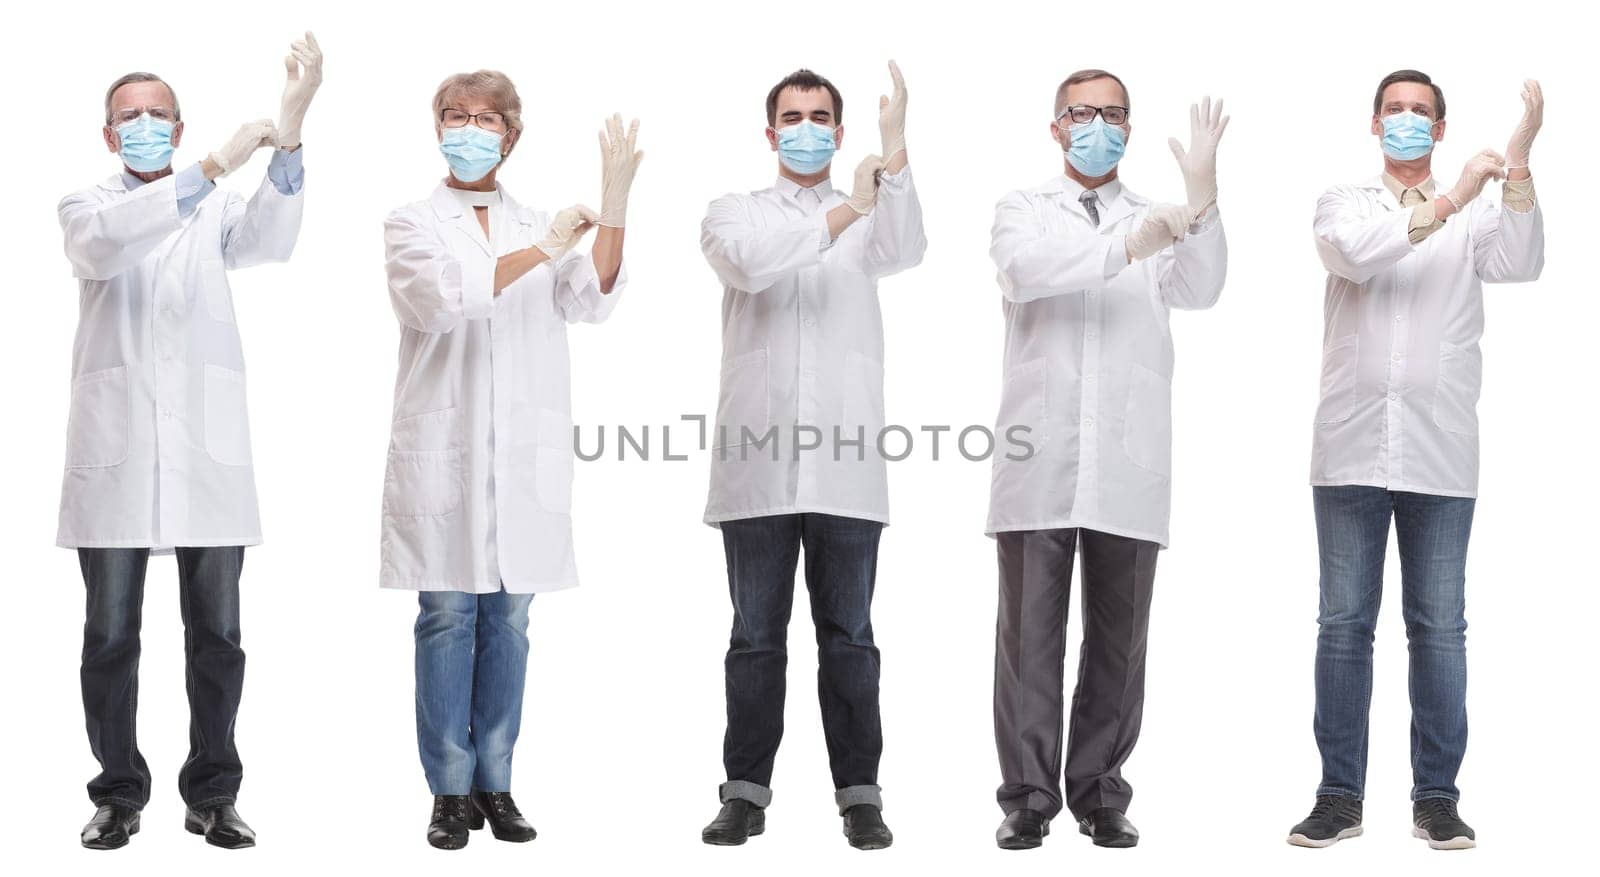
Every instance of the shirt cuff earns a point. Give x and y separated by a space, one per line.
1517 195
1424 221
192 187
287 171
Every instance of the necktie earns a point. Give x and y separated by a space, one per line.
1088 199
1412 197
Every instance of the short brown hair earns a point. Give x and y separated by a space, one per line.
1416 76
493 84
804 80
1086 76
130 78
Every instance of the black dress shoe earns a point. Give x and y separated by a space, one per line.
1436 821
111 827
1108 827
221 825
505 820
1333 818
738 821
1023 830
863 825
447 828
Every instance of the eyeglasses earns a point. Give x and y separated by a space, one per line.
1081 113
488 120
132 114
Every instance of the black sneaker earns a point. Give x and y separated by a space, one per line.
1334 818
1435 820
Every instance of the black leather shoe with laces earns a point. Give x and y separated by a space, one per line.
505 820
447 828
1332 819
1435 820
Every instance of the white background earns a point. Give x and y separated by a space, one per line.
620 753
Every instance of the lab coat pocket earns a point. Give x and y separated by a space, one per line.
1455 396
743 402
97 427
1147 423
227 425
1022 407
863 401
1340 361
422 484
214 283
552 472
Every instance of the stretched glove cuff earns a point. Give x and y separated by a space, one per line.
221 162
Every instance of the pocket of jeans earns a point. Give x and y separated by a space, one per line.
98 421
1456 391
1340 364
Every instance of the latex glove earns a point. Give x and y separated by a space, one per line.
250 137
566 229
892 115
1480 169
298 90
1199 163
866 186
1532 118
1166 225
618 161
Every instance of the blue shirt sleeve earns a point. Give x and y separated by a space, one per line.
192 187
286 171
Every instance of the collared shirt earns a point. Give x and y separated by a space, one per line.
1401 367
1419 200
802 348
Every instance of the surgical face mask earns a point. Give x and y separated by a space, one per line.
145 144
1096 147
805 148
471 152
1407 136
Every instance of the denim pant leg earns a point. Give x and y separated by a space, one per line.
1433 533
762 555
501 670
445 634
113 581
841 571
1352 538
208 587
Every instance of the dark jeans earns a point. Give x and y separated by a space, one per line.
208 593
841 567
1352 538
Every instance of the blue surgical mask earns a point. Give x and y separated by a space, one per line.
145 144
805 148
471 152
1096 147
1407 136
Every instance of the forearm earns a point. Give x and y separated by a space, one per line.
508 269
839 219
607 255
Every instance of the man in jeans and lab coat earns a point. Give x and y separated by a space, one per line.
1396 437
802 363
1089 272
158 449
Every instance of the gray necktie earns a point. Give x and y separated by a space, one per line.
1088 199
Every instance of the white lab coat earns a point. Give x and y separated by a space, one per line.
483 392
158 442
802 344
1088 360
1401 368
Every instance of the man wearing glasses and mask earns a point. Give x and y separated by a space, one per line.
158 446
1088 272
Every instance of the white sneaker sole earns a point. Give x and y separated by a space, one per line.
1455 843
1301 840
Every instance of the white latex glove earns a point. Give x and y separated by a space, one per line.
1199 164
250 137
1166 225
566 229
298 90
892 115
866 186
618 161
1480 169
1532 118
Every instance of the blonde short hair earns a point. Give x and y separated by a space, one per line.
490 84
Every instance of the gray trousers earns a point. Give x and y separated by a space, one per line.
1029 668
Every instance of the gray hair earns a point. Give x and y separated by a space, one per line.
491 84
141 77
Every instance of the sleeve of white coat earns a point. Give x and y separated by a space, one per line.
895 241
578 289
750 257
1508 246
432 288
1036 264
1356 246
1193 269
263 229
104 239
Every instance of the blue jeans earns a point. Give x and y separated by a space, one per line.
1352 538
472 661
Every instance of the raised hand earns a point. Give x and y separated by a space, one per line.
303 66
892 116
1199 162
618 162
1532 118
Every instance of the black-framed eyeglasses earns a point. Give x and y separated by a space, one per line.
489 120
1081 113
132 114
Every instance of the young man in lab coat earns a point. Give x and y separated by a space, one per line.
794 459
1396 436
1088 272
158 447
